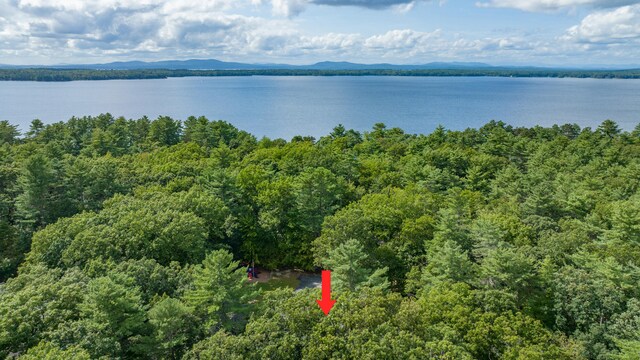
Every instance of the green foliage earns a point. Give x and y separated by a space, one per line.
172 325
8 133
220 291
157 225
349 271
84 74
448 263
372 325
35 303
164 131
391 227
39 201
113 318
148 275
12 242
48 351
123 238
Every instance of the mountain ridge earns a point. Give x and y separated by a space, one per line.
214 64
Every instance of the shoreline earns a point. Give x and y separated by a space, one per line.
66 75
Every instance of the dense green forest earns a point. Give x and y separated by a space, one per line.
122 239
48 74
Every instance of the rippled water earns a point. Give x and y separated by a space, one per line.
287 106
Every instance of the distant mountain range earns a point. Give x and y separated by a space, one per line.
213 64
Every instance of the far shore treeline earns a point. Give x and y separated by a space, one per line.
123 238
50 74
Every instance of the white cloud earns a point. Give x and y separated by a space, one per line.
611 26
289 8
46 31
552 5
404 43
372 4
94 28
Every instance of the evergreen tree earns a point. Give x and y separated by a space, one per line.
349 272
36 203
172 327
220 291
114 315
49 351
8 133
448 263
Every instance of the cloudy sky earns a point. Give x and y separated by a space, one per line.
535 32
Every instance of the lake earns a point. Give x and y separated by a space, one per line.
287 106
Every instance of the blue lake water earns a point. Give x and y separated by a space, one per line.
287 106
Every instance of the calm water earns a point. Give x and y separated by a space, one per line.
287 106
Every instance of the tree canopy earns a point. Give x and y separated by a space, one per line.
126 238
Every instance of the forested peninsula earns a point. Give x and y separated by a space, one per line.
49 74
123 238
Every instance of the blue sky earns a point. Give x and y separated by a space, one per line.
501 32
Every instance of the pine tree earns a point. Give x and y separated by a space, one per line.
448 263
350 273
171 321
113 312
220 290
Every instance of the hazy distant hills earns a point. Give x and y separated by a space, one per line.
212 64
330 65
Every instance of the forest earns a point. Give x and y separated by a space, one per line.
52 74
123 239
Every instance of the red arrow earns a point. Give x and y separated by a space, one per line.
326 303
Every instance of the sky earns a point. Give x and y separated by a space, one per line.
498 32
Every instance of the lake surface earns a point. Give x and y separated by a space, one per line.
287 106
